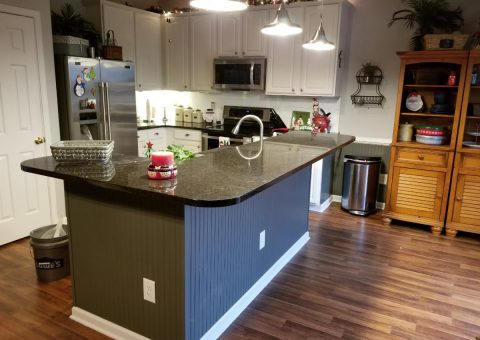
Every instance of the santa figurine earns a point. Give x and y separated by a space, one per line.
320 121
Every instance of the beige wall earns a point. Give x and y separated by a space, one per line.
372 41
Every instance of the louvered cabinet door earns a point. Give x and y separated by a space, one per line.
417 192
466 208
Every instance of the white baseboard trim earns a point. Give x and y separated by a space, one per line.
118 332
227 319
338 199
322 207
104 326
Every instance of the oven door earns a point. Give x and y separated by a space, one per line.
213 142
239 74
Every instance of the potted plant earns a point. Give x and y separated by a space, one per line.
428 17
369 74
473 41
72 33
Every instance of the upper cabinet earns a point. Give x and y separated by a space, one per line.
229 34
148 50
120 19
176 53
202 51
239 34
293 70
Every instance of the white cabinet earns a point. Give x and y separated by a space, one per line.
229 34
293 70
142 141
284 59
148 50
190 139
176 53
202 51
253 41
120 19
239 33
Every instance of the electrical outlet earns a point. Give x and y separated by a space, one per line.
262 240
149 290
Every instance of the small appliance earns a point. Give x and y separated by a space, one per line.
240 74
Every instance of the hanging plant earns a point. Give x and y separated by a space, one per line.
428 17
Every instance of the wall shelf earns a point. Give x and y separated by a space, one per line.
368 75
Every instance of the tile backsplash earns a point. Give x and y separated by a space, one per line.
283 105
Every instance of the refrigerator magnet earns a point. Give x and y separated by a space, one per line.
79 88
93 90
86 74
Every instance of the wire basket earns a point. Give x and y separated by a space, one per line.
82 151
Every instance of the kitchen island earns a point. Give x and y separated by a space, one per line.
211 239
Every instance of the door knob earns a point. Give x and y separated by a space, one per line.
40 140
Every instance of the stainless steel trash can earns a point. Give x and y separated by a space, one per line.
360 184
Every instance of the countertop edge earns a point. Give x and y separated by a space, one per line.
185 201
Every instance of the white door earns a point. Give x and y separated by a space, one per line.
319 68
148 51
202 51
120 19
176 36
24 198
254 43
228 34
284 59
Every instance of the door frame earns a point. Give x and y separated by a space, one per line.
41 63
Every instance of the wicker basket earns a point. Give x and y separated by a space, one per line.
445 41
83 151
112 52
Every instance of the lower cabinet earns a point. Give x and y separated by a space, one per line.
418 193
464 203
190 139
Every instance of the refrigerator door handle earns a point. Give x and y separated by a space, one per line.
107 110
101 87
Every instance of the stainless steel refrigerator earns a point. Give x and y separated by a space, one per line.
96 100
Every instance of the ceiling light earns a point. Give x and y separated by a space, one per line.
282 26
319 41
220 5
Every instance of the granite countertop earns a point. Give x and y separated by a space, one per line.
180 125
218 177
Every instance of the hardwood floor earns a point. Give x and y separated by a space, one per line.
355 279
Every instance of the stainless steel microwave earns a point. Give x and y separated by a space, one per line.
240 74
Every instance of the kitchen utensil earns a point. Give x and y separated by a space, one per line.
471 144
432 140
430 130
405 132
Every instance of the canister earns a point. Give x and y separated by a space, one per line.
197 116
405 132
179 114
187 115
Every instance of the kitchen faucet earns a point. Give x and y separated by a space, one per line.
236 129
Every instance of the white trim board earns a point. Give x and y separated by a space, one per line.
118 332
103 326
322 207
227 319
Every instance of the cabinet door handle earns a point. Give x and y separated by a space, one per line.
186 86
340 56
187 135
293 90
243 53
421 157
156 134
236 53
301 90
459 199
169 41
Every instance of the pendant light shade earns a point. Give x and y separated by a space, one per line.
220 5
319 41
282 26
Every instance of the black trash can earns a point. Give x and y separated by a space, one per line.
50 252
360 184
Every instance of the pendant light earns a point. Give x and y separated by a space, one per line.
220 5
282 26
319 41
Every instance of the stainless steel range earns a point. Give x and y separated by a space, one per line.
222 136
